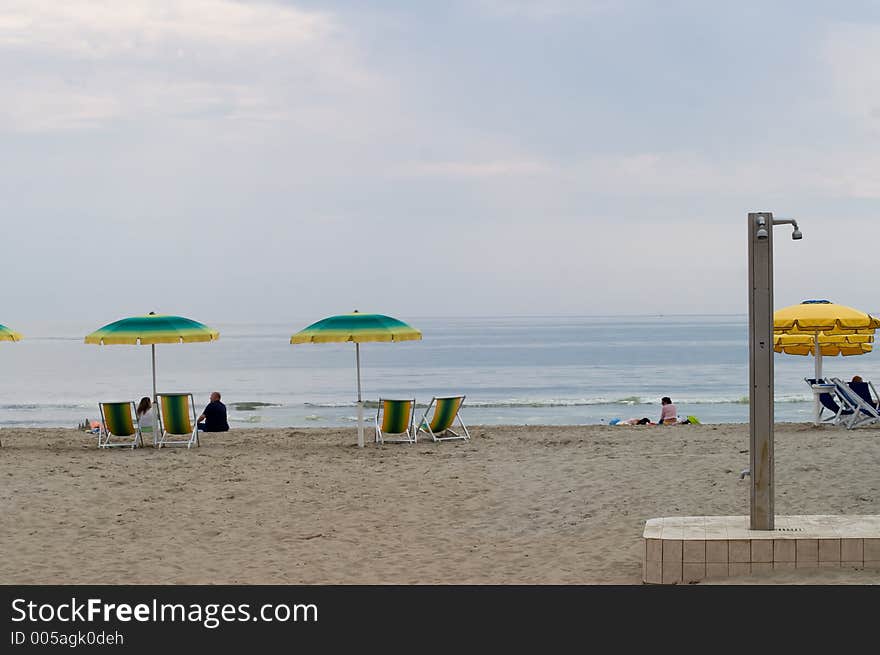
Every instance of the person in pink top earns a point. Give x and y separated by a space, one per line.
668 413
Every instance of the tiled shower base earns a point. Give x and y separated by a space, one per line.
682 549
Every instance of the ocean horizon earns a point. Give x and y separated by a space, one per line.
518 370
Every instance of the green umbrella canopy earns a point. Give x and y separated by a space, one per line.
152 329
8 334
358 328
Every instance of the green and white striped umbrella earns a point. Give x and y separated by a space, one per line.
358 328
8 334
152 329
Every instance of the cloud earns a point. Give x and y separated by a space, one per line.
43 107
655 174
849 53
95 29
81 64
475 169
548 9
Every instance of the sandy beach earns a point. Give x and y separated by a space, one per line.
533 505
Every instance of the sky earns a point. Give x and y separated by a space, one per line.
284 161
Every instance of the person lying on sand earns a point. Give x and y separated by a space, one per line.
631 421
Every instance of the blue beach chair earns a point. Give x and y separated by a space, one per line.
864 413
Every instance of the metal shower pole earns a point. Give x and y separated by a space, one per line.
761 370
761 418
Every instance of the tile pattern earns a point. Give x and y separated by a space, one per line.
682 549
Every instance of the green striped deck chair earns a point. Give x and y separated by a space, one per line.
446 410
177 414
119 421
395 417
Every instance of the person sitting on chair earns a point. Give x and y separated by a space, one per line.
863 389
146 418
143 409
145 413
213 419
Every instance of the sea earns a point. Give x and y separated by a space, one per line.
513 370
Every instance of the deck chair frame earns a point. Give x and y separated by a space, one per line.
843 412
863 412
849 413
193 437
425 425
134 440
409 435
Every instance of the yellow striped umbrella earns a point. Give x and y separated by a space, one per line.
813 316
823 320
357 328
830 345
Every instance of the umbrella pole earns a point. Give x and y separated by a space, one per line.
155 400
357 350
817 407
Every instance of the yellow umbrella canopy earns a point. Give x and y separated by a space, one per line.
830 345
813 316
820 320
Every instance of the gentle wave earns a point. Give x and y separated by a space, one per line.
248 419
582 402
331 405
630 401
512 402
43 406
